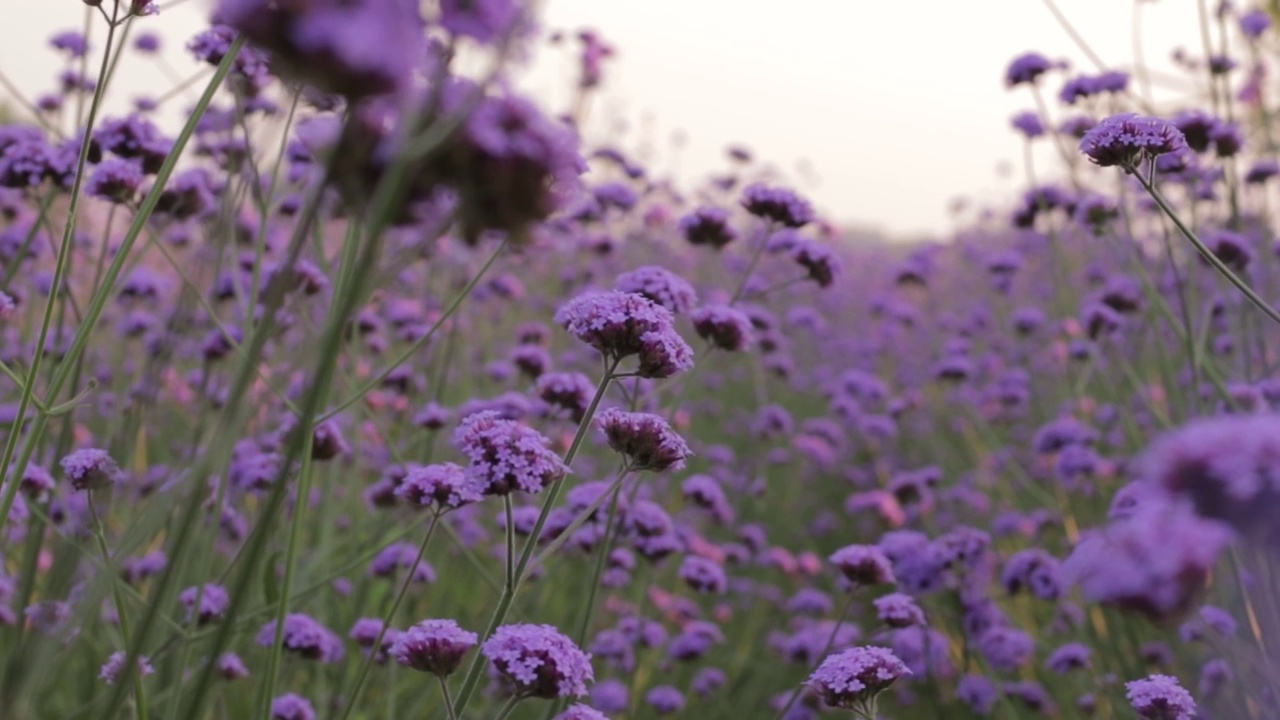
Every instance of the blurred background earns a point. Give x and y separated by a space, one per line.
880 111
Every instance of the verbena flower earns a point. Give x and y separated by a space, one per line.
708 226
506 456
114 665
1128 139
1160 697
851 679
777 204
433 646
581 712
659 285
1025 68
292 707
91 469
620 325
306 637
863 564
442 486
898 610
539 661
646 440
1069 657
485 21
665 699
213 602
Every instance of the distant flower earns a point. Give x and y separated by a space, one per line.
1028 123
433 646
659 285
723 326
703 575
665 699
231 667
71 42
115 665
778 205
1072 656
898 610
818 261
1005 648
213 602
708 226
646 440
978 692
569 391
1160 697
444 486
1025 68
91 469
507 456
581 712
851 679
539 661
1254 23
306 637
1034 570
115 180
1128 139
292 707
863 564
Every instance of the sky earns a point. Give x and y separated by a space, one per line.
882 112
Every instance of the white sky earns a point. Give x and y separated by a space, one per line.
895 106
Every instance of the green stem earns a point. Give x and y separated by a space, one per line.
130 671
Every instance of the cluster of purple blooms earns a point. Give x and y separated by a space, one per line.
1029 497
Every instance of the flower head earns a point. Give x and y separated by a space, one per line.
507 456
91 469
778 205
292 707
1025 68
621 324
723 326
708 226
433 646
659 285
444 485
852 678
1160 697
114 665
646 440
306 637
1128 139
539 661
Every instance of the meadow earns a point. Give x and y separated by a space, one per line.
371 391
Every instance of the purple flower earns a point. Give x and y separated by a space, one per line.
70 42
539 661
401 555
610 696
433 646
646 440
1160 697
1072 656
507 456
778 205
570 391
978 692
352 49
485 21
91 469
1128 139
1006 648
146 42
622 324
1028 123
1136 563
213 602
1035 570
665 699
820 264
659 285
852 678
114 665
863 564
1025 68
703 575
231 667
581 712
708 226
115 180
306 637
707 680
1254 23
723 326
292 707
898 610
445 486
1222 465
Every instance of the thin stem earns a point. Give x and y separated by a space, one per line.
508 708
1206 253
131 660
511 541
504 601
388 617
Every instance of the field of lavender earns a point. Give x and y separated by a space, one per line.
372 392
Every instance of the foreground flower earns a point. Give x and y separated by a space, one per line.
433 646
507 456
539 661
851 679
621 324
1130 138
646 440
91 469
1160 697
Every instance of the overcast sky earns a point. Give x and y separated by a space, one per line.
890 109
